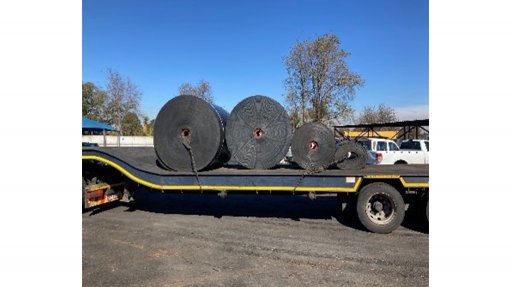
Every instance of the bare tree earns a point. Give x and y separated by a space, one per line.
201 90
377 115
123 98
319 83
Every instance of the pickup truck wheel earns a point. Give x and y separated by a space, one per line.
380 207
400 162
351 155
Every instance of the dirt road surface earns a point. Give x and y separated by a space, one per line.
245 240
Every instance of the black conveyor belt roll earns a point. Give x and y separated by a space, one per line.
313 146
194 120
258 132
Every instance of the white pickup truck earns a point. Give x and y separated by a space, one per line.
387 151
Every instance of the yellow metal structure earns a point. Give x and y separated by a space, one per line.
371 133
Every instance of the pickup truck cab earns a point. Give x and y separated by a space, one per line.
387 151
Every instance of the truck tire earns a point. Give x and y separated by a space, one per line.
380 207
351 155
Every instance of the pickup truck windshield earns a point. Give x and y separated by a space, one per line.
412 145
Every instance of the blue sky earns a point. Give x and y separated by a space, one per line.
239 47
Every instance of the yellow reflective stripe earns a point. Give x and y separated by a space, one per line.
222 187
102 186
405 184
413 184
382 176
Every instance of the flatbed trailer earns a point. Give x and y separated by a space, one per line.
378 193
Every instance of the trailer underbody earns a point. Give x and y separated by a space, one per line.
385 189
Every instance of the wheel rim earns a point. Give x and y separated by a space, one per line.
380 209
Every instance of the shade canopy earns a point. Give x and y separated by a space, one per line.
90 125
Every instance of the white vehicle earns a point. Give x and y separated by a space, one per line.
387 151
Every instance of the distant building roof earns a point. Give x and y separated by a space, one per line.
424 122
90 125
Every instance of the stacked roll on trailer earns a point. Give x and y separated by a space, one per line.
350 155
258 132
189 132
313 146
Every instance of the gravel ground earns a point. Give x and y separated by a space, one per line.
245 240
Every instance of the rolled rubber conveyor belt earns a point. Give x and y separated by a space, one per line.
258 132
189 132
313 146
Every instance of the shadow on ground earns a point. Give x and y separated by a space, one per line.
296 207
416 219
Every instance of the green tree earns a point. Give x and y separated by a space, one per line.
319 84
148 126
93 102
131 125
202 90
123 98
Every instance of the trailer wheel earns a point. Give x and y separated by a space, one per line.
380 207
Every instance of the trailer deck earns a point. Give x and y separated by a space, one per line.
141 165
